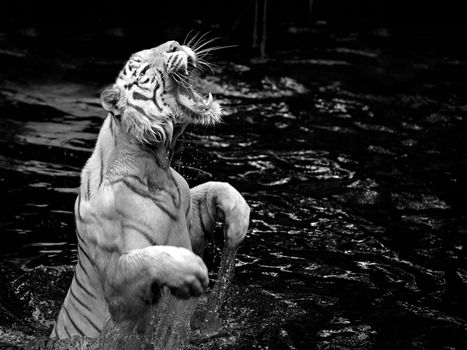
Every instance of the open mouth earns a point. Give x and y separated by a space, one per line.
194 101
201 108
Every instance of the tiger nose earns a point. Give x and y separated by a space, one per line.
190 54
174 46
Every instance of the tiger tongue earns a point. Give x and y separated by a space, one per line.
195 102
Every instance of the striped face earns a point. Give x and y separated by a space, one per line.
155 88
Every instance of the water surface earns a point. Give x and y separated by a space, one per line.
353 159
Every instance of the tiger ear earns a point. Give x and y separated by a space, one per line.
112 99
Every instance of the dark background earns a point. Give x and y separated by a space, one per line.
82 25
358 181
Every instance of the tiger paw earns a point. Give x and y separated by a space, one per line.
233 209
185 273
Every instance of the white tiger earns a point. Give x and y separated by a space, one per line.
137 221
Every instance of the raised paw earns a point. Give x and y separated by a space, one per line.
186 275
232 207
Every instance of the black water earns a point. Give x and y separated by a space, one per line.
352 155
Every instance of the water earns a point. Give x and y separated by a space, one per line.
172 323
211 322
353 159
169 328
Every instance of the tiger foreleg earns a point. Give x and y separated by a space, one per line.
179 269
217 201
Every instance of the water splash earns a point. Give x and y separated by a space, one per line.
212 322
169 326
171 323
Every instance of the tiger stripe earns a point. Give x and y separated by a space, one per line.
200 217
141 97
161 77
113 123
145 69
81 285
66 331
80 265
77 317
177 62
111 173
72 321
138 229
87 256
138 108
142 227
79 301
111 126
80 218
169 62
129 176
88 187
176 198
148 192
188 209
156 97
101 173
141 86
80 239
91 322
148 195
129 85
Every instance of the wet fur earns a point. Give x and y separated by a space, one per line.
137 222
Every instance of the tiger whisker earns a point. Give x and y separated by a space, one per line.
177 78
206 64
214 48
187 36
203 44
190 42
181 81
195 37
201 56
199 41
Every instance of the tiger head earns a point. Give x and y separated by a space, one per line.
154 92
